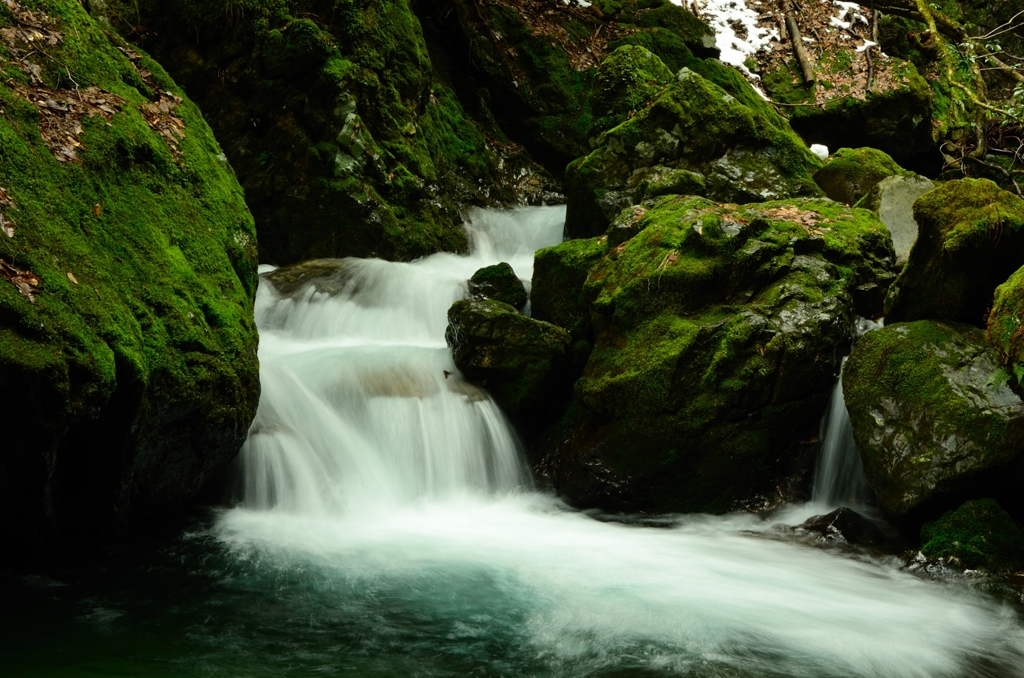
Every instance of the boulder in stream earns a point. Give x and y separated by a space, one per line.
852 527
933 417
977 535
717 333
500 283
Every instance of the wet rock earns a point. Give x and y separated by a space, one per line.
930 415
717 331
516 358
325 276
852 172
978 535
970 240
500 283
852 527
693 137
892 199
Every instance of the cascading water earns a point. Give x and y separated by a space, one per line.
387 514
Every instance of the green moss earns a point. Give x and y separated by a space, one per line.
627 80
559 275
500 283
146 257
980 534
926 412
851 172
970 239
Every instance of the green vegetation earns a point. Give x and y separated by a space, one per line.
133 344
979 534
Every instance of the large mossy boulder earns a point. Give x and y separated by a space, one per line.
978 535
718 331
852 172
518 359
693 138
127 277
933 416
343 123
970 240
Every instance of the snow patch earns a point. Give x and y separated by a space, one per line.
724 16
820 150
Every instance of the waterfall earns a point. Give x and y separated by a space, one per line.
362 404
839 475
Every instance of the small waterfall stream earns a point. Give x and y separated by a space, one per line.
386 504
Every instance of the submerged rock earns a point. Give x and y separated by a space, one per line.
717 335
500 283
930 415
978 535
127 277
892 199
692 138
516 358
970 240
852 172
852 527
324 276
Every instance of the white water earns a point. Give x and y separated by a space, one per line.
369 468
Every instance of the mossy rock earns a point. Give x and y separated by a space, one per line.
133 377
344 125
930 414
516 358
323 276
978 535
852 172
730 152
970 240
1006 326
626 80
717 335
894 117
559 275
499 283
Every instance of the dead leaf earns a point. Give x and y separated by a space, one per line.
6 226
27 282
72 278
97 210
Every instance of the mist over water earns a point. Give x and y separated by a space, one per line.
393 495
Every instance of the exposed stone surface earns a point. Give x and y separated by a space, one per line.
930 413
892 199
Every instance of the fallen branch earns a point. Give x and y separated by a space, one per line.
806 67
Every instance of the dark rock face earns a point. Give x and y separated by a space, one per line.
127 334
518 359
852 172
930 415
849 526
692 138
342 122
970 240
978 535
717 331
499 283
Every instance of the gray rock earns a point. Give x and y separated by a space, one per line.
893 199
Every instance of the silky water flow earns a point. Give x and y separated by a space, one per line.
386 513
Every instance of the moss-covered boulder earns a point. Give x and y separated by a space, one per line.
127 274
970 239
892 199
931 415
1006 325
978 535
692 138
627 79
532 63
718 331
500 283
343 122
516 358
559 276
851 172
